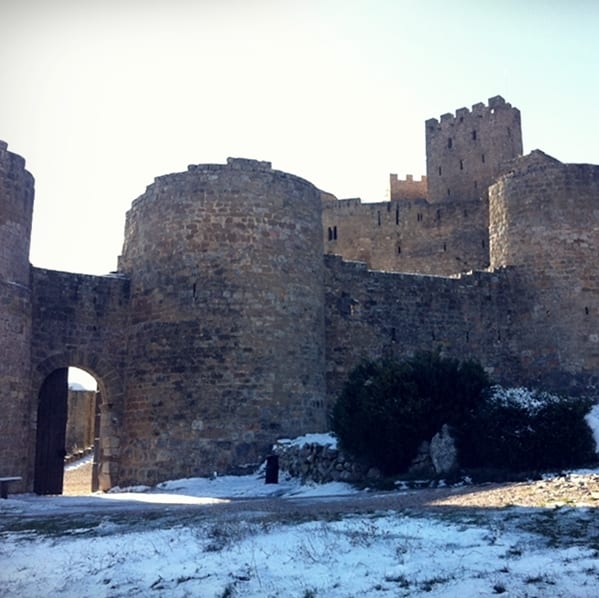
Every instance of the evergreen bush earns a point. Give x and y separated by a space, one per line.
386 409
526 430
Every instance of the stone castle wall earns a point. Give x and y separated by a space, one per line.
80 321
225 328
409 235
545 220
81 419
16 205
439 224
226 340
373 314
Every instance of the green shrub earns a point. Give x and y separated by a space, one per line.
386 409
524 430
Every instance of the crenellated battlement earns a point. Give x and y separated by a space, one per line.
408 188
461 115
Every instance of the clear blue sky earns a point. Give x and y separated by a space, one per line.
101 96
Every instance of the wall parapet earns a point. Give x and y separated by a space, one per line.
480 109
408 188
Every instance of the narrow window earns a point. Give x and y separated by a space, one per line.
448 191
396 215
450 143
444 246
438 214
398 249
393 334
378 217
473 135
335 233
195 286
482 243
330 231
419 217
475 185
461 164
483 158
586 311
440 171
467 336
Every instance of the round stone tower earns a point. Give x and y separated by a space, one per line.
544 220
16 209
226 343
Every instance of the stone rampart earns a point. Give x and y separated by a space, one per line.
16 205
225 328
81 419
544 218
226 337
409 235
81 321
371 315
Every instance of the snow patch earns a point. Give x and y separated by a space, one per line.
592 419
320 439
531 401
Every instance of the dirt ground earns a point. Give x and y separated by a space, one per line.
78 481
561 490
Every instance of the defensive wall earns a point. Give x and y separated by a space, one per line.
438 224
409 235
373 314
81 321
81 421
545 221
231 322
226 337
16 209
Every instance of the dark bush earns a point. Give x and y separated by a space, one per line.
524 430
386 409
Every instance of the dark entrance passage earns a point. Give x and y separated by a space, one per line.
50 439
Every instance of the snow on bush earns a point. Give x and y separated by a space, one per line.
529 400
523 429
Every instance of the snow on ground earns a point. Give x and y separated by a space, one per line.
452 552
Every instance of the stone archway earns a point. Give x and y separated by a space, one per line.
51 378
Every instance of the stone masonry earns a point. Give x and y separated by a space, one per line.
245 295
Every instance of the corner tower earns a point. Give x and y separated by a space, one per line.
465 153
226 337
16 209
544 222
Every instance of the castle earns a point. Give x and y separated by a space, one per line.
245 295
